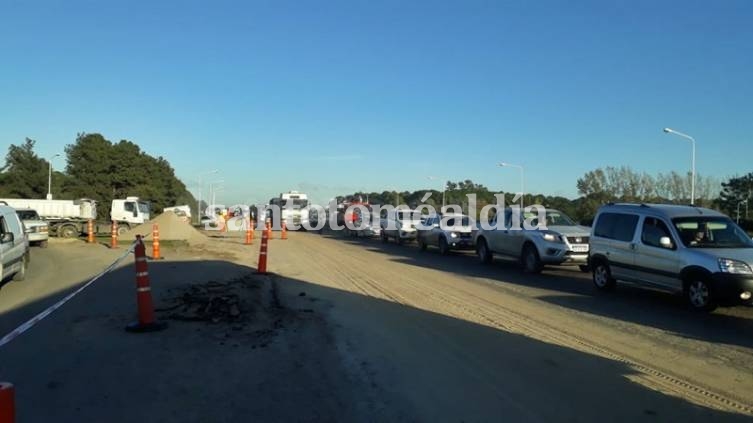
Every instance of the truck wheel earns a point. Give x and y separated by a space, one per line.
485 255
531 260
699 295
43 244
123 228
444 248
68 231
602 276
21 274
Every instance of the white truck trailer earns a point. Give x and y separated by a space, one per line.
69 218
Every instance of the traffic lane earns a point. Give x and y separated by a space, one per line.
571 289
53 273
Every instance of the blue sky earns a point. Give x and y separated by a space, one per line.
335 96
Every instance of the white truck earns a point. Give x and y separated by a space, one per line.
294 208
69 218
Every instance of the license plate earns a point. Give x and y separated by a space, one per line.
580 248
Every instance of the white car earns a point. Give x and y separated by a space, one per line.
37 230
14 245
400 224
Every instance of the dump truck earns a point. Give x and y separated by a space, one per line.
70 218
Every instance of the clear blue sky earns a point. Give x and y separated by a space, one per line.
335 96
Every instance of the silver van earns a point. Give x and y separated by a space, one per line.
14 245
695 251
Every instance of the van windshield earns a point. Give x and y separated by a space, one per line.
711 232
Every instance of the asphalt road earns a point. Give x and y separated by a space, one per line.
358 330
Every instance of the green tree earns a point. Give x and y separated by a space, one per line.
735 191
24 174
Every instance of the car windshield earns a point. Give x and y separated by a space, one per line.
711 232
27 215
553 218
409 215
458 221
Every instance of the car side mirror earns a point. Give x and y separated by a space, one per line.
7 237
665 242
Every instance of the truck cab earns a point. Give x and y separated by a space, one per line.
131 210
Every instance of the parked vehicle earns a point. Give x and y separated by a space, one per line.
180 211
14 245
363 226
69 218
399 224
446 232
563 242
683 249
37 230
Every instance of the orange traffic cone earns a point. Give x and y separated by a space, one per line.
284 233
249 232
114 235
262 267
147 321
7 403
90 230
155 242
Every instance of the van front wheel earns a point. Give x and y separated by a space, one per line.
699 296
21 274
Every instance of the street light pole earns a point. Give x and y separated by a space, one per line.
522 180
692 160
201 190
49 177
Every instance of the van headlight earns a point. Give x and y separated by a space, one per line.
734 266
551 236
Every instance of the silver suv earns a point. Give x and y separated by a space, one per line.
685 249
563 242
448 232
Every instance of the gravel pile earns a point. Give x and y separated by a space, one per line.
213 302
171 228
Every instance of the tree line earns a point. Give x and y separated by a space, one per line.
595 188
96 168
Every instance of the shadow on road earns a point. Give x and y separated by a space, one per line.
628 303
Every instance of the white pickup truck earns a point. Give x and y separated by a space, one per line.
400 224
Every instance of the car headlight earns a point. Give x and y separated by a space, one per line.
454 235
551 237
43 229
734 266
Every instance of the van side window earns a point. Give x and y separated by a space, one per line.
617 226
653 230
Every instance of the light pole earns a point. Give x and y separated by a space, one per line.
49 177
444 187
692 160
522 180
201 189
212 188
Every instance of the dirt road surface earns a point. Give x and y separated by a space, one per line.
357 330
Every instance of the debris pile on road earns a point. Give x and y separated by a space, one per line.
171 228
213 302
